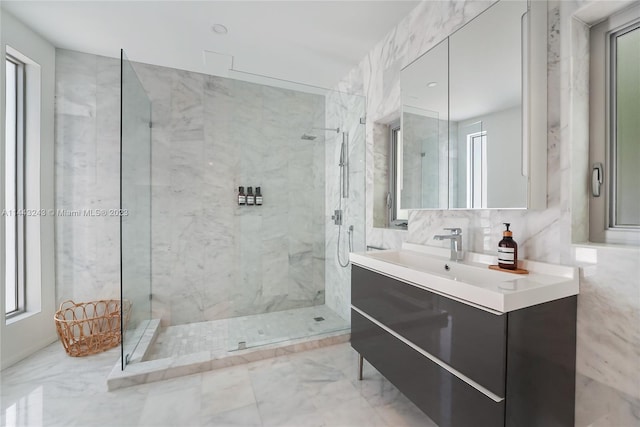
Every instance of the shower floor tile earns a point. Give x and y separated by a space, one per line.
238 333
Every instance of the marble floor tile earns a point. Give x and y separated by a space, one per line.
327 395
245 416
280 396
354 413
311 388
375 388
225 390
403 413
177 406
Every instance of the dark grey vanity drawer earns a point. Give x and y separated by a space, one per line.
449 401
470 340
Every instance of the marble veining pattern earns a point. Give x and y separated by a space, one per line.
344 111
225 335
316 387
608 327
210 258
608 337
87 161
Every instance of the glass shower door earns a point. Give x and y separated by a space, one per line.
135 205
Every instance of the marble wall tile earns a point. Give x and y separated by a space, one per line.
608 319
88 247
210 259
608 328
343 110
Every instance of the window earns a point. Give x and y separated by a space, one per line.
615 129
477 170
397 217
14 187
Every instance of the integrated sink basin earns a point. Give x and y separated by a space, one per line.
470 280
443 267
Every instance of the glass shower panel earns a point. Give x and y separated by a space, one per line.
135 204
287 139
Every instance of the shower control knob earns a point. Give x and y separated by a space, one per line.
337 217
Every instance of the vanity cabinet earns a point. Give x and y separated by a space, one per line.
464 365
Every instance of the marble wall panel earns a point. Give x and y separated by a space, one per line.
344 111
87 247
210 258
608 383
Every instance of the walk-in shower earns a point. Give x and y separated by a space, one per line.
337 216
225 276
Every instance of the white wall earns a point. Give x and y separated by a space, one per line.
34 330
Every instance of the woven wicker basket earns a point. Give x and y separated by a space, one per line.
90 327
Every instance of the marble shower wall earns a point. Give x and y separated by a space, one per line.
608 348
211 259
344 111
87 168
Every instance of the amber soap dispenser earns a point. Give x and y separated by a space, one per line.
507 250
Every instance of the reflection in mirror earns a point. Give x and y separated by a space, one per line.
424 131
485 72
471 174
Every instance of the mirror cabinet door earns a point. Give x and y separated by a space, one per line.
425 131
468 142
485 110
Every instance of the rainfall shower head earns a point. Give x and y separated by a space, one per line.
309 137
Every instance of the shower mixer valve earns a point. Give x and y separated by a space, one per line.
337 217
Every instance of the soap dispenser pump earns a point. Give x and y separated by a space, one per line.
507 250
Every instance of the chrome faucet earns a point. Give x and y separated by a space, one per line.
456 242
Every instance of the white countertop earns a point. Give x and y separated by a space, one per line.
470 281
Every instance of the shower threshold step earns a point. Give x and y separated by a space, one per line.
143 372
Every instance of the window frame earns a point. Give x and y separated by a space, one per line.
16 277
398 217
473 138
612 120
602 132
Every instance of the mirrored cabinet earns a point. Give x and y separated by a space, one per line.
474 132
425 134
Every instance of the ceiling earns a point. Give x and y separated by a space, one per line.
312 42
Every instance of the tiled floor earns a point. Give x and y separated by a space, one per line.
313 388
260 329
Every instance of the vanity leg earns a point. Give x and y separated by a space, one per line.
360 363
